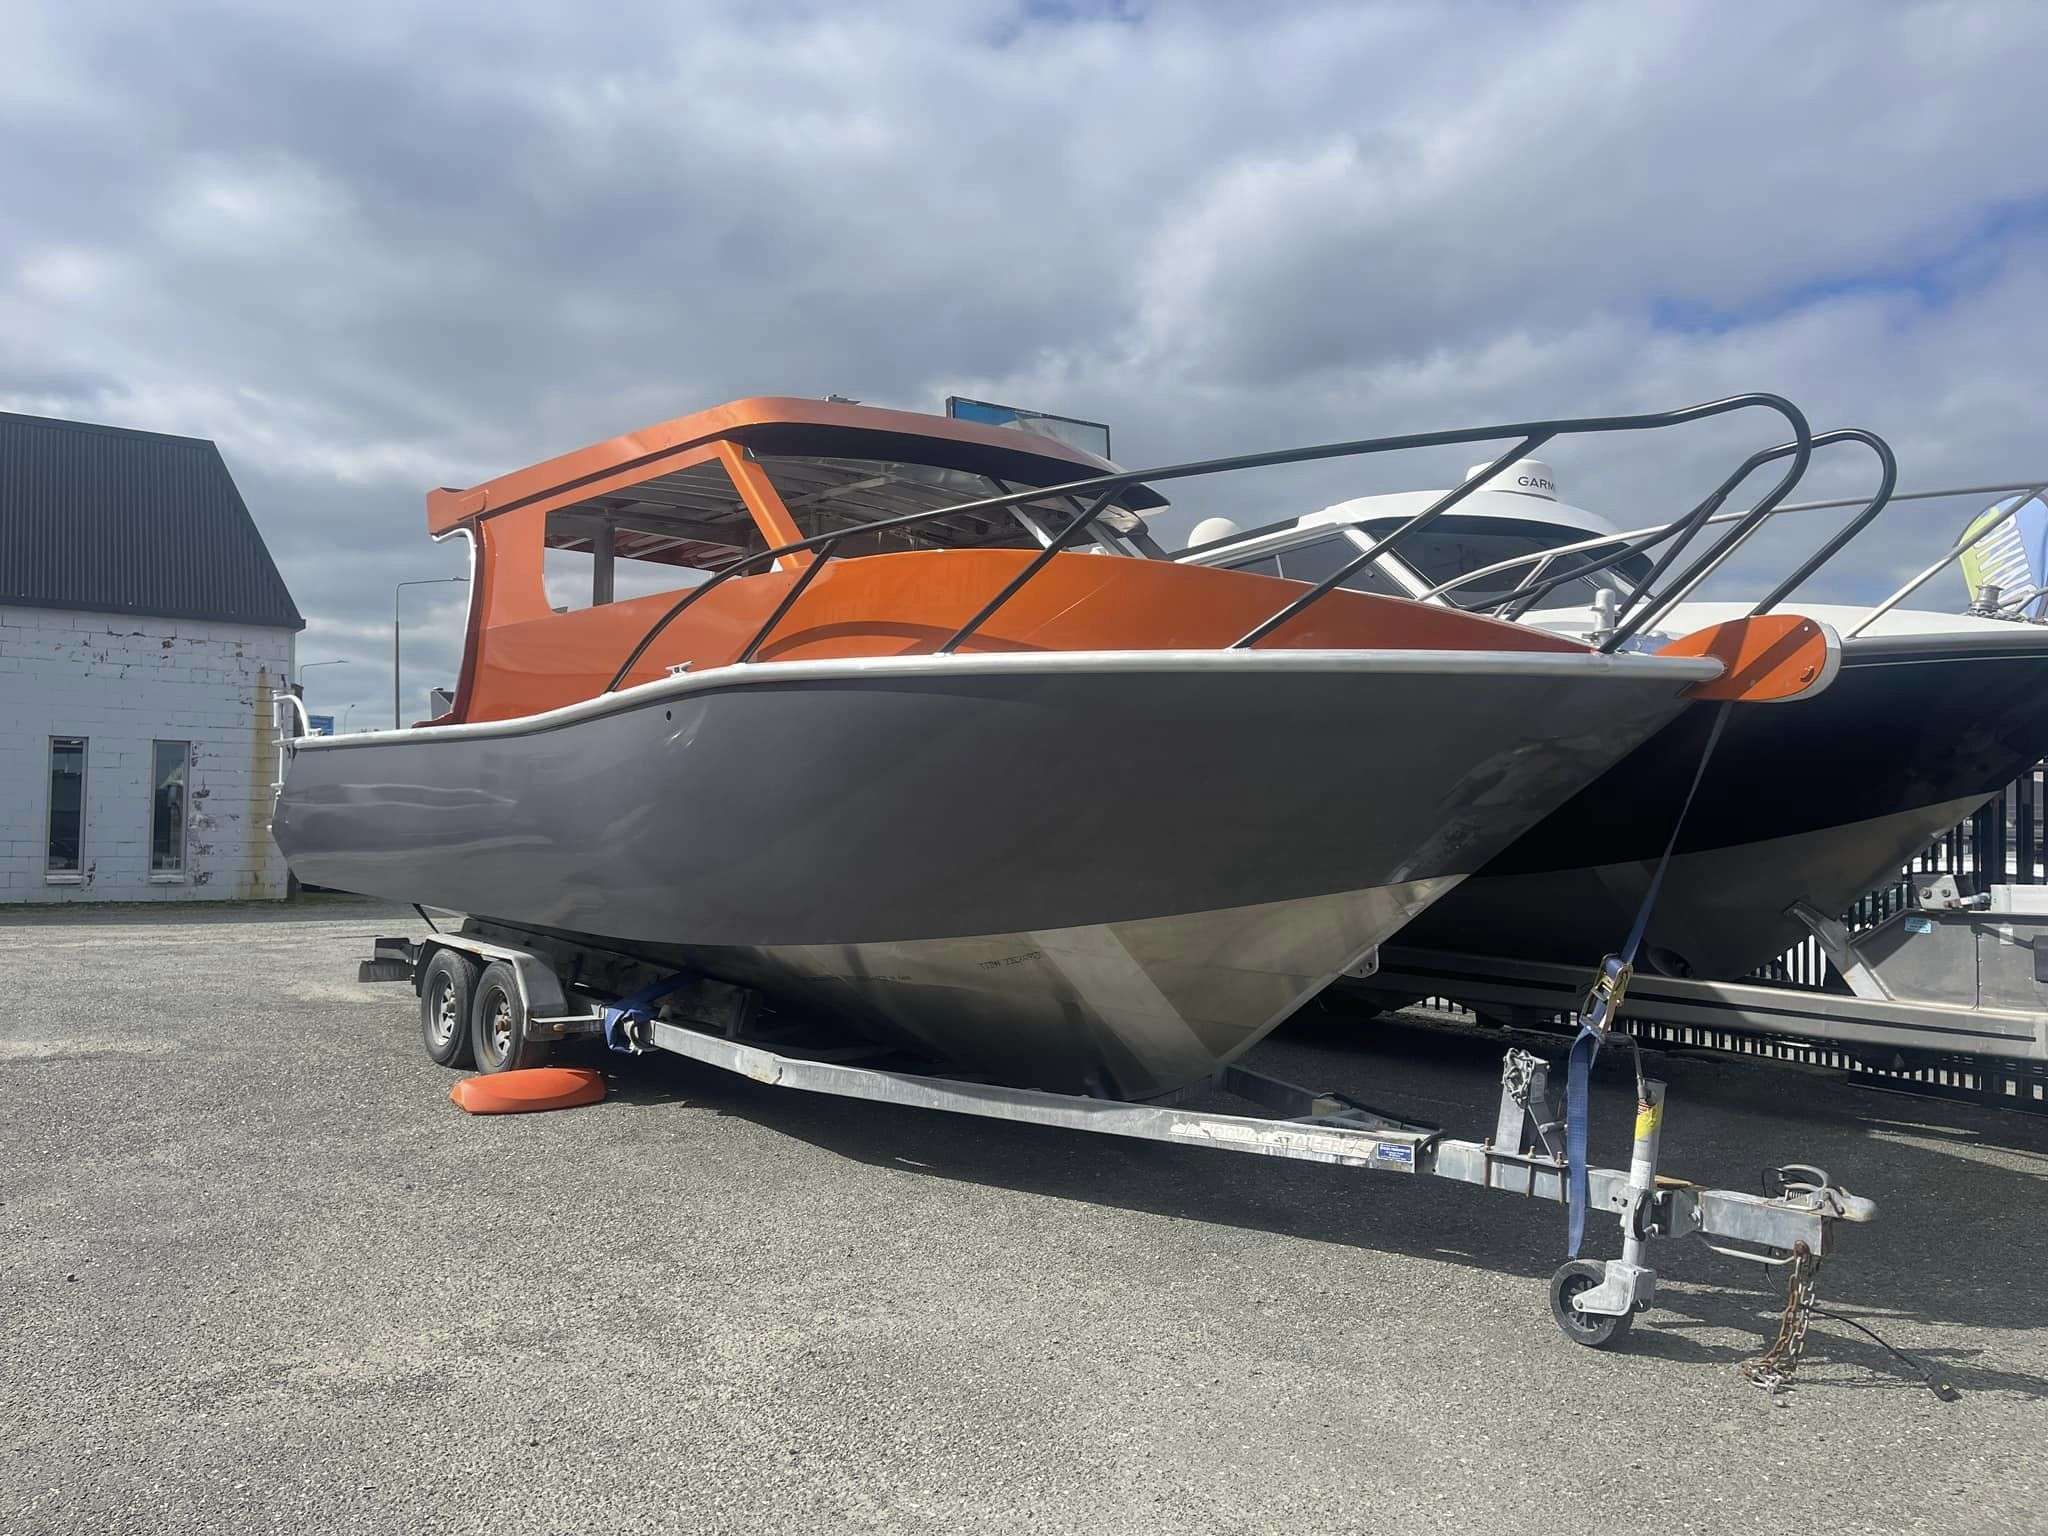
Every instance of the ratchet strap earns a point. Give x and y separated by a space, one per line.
628 1009
1597 1014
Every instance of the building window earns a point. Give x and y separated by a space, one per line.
170 768
67 809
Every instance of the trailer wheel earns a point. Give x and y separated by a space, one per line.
446 987
1588 1328
497 1027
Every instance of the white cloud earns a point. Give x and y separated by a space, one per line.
67 274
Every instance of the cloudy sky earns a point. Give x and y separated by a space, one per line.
371 249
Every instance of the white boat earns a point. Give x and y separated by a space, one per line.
1805 805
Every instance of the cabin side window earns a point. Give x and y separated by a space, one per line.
663 535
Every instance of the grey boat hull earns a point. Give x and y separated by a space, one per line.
1096 872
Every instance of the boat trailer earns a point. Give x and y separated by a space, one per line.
638 1008
1953 977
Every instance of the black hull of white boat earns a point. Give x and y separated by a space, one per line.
1813 801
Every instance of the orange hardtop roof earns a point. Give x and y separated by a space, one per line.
787 424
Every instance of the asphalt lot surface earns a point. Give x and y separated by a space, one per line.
260 1275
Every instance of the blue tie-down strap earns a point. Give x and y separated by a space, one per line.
1578 1075
1596 1016
617 1015
1601 1010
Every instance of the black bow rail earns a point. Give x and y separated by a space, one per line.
1513 604
1530 436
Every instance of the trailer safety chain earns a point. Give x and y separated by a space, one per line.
1773 1369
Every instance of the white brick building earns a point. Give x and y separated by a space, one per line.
144 633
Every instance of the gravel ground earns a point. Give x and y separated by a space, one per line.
260 1275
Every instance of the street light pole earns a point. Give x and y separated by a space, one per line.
424 581
339 661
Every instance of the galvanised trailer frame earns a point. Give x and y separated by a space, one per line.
636 1008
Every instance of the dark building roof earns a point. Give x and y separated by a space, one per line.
114 521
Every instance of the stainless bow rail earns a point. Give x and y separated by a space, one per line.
1516 602
1636 540
1529 435
1961 547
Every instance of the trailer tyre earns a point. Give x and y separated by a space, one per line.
498 1027
446 988
1588 1328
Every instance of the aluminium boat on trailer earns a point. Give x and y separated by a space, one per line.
901 717
1802 808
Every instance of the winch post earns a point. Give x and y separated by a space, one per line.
1629 1284
1524 1098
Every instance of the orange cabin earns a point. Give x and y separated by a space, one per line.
577 558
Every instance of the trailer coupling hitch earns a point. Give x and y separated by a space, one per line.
1805 1187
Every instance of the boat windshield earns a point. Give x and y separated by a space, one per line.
825 495
1319 559
1454 545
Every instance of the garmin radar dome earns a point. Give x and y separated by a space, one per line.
1524 477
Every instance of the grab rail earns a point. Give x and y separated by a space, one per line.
285 740
1525 594
1887 482
1888 479
824 543
1656 531
1623 544
1957 550
1531 435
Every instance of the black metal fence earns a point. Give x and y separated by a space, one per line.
2002 844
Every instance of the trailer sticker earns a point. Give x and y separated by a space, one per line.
1918 924
1393 1152
1290 1141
